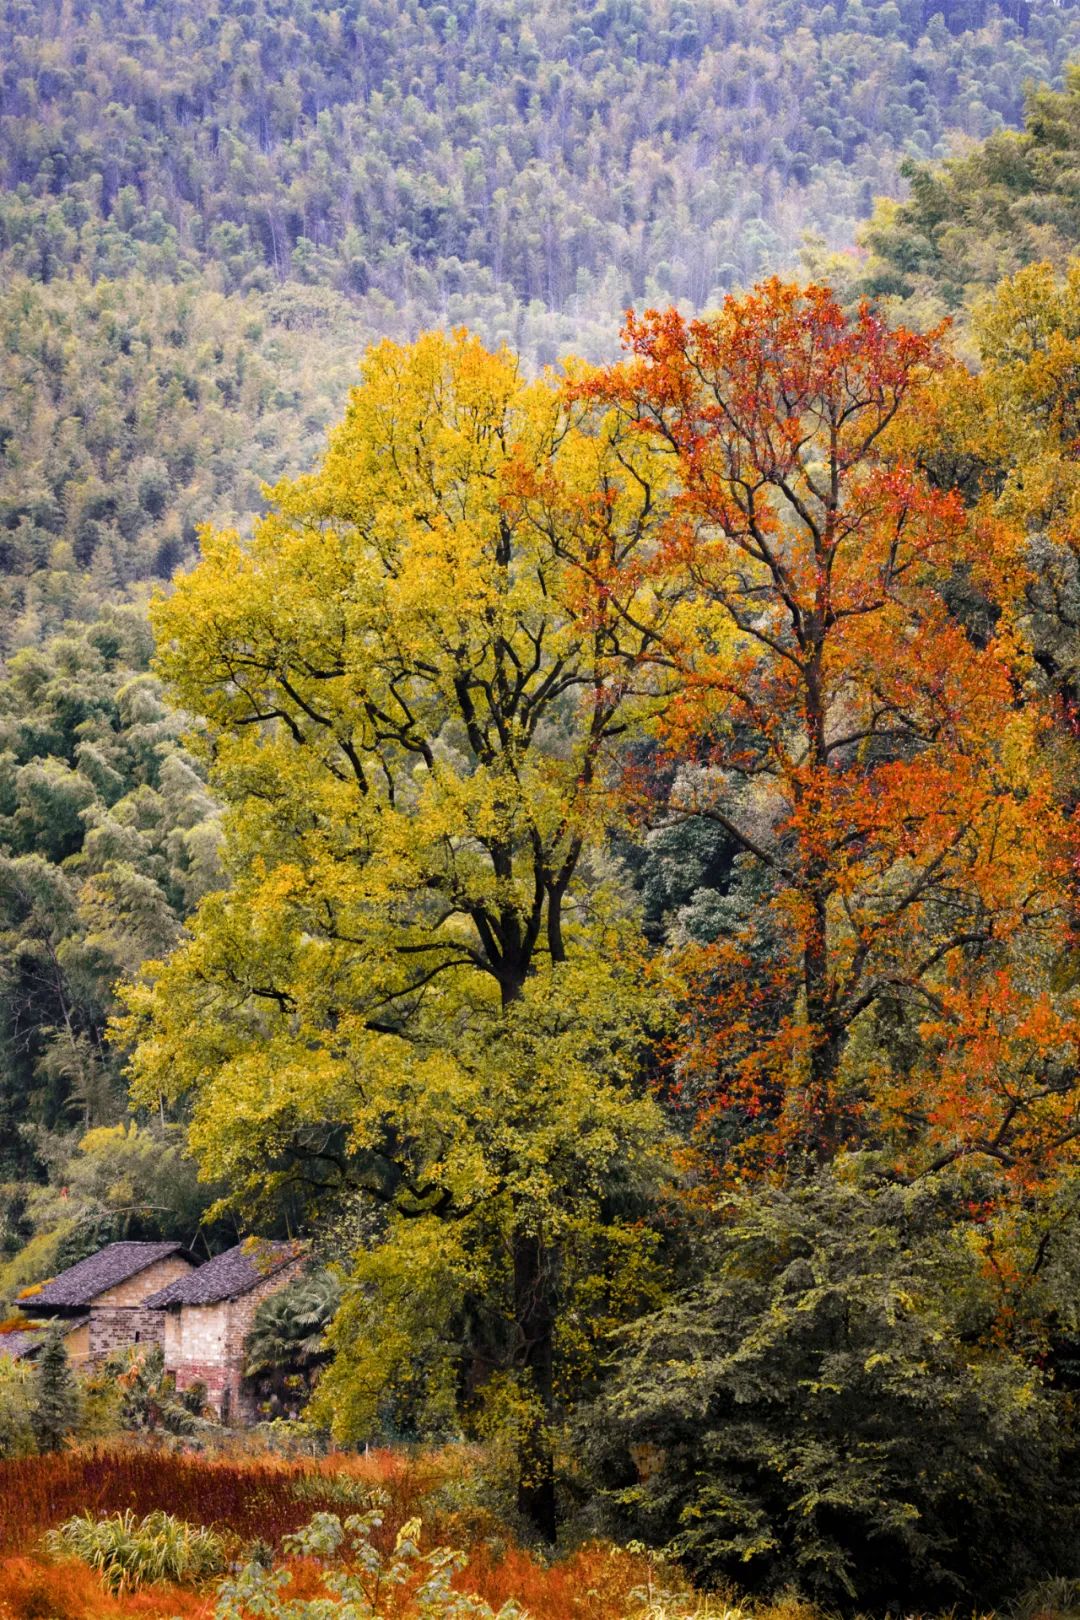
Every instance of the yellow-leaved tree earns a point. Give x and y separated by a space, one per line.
420 984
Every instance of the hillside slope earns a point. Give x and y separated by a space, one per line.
666 148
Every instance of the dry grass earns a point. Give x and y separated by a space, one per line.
264 1497
261 1497
247 1498
38 1589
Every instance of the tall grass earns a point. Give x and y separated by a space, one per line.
264 1498
128 1552
33 1589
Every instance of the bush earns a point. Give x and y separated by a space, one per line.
56 1400
361 1583
150 1399
127 1551
812 1415
16 1415
286 1347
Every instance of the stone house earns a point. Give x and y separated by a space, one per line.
208 1314
100 1304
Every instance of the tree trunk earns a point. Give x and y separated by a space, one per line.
535 1322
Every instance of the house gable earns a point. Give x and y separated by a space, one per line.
128 1272
210 1314
136 1290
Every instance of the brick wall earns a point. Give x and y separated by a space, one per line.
114 1327
117 1318
77 1344
145 1282
201 1334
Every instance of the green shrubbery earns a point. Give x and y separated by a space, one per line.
827 1409
16 1409
55 1411
128 1551
362 1582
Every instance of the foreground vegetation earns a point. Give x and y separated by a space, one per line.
381 1533
252 1505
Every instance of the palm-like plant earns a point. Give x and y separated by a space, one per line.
286 1347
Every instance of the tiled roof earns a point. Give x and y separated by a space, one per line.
17 1344
23 1341
229 1274
111 1265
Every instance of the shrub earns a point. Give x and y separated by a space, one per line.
16 1414
150 1399
127 1551
816 1413
361 1582
286 1347
56 1401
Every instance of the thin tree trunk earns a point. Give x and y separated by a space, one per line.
535 1321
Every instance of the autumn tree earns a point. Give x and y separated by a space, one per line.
418 986
862 748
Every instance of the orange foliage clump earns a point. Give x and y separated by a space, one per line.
848 707
594 1583
35 1589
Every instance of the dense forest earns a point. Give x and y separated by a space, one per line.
206 214
671 149
591 843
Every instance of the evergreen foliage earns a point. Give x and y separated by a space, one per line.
969 221
665 147
56 1400
17 1437
107 838
819 1410
131 412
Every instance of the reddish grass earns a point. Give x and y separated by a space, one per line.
35 1589
247 1498
593 1583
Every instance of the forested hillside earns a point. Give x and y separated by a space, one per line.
206 214
661 148
1009 202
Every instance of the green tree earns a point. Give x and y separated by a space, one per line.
56 1400
16 1408
826 1407
420 986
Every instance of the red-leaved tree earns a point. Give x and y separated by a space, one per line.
865 752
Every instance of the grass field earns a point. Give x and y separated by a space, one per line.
263 1498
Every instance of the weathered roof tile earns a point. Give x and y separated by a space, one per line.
228 1274
112 1265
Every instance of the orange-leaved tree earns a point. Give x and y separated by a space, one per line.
868 755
